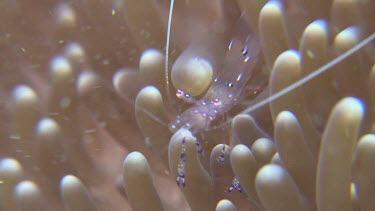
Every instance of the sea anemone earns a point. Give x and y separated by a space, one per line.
90 121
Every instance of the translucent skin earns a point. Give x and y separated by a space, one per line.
228 86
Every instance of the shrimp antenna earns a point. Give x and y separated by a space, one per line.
154 117
310 76
167 50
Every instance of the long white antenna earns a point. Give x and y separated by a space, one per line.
310 76
167 50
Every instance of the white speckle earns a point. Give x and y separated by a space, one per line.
230 45
246 59
244 51
239 77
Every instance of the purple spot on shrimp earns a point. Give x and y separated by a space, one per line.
181 177
235 185
183 157
221 158
199 146
222 155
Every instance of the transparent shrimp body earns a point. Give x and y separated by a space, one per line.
226 90
228 87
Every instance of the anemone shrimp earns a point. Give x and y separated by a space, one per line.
220 95
224 91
